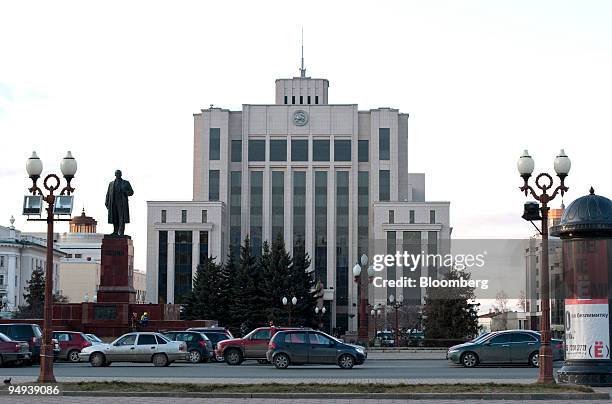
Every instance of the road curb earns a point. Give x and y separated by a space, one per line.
355 396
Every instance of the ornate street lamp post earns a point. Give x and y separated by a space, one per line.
286 302
51 183
362 296
375 313
525 167
396 304
321 312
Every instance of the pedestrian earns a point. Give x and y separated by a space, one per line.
134 321
144 319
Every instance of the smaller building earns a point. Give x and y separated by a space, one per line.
501 321
20 255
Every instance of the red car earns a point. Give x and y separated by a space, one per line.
254 345
71 343
12 351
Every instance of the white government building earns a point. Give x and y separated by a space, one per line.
327 176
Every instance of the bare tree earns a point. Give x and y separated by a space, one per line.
522 301
501 306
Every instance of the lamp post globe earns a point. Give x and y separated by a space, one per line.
294 300
364 260
284 300
562 164
372 312
356 270
316 310
323 310
525 165
68 166
34 166
371 271
391 299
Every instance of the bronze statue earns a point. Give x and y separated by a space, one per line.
117 203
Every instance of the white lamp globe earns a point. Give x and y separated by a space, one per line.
562 164
371 271
294 300
68 166
34 166
525 164
284 301
356 270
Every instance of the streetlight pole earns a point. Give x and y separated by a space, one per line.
34 167
288 304
321 313
362 296
375 312
396 304
562 167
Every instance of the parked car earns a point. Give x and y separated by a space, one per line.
12 351
513 346
71 343
312 347
387 338
215 335
199 347
94 339
30 333
254 345
136 347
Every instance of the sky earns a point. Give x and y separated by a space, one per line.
117 83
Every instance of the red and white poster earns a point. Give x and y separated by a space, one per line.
587 334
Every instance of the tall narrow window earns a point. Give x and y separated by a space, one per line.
299 150
285 99
391 270
203 247
342 150
236 151
308 99
278 204
163 215
293 99
363 151
320 261
183 216
301 99
320 150
215 143
391 216
204 216
235 212
183 254
384 185
316 99
342 247
278 150
299 209
432 216
411 213
432 249
213 185
411 243
162 267
256 211
383 144
363 208
257 150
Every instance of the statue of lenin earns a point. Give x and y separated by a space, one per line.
117 203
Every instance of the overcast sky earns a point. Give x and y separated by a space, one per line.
117 84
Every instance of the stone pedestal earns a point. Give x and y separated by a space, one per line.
117 272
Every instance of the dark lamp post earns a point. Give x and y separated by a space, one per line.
396 304
362 297
544 183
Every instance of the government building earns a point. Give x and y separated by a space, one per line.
329 177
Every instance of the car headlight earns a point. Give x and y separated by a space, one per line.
361 351
453 351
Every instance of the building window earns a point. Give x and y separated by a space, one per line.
316 99
204 216
183 252
432 248
342 150
183 216
1 279
293 99
163 216
391 216
363 207
411 218
392 269
383 144
256 211
301 99
215 143
432 216
320 194
384 185
320 150
236 152
411 243
257 150
278 150
299 150
278 204
299 209
308 99
213 185
1 261
342 247
162 267
235 212
203 247
285 99
363 151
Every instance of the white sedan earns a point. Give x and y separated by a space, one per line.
136 347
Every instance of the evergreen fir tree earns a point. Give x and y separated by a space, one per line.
448 312
196 303
303 283
224 292
240 306
35 296
277 281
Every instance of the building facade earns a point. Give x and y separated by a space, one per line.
20 255
329 178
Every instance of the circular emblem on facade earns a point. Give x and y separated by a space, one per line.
300 118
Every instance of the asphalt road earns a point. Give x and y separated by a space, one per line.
423 370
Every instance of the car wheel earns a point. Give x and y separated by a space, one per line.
73 356
469 359
97 359
534 360
194 356
160 360
281 361
346 361
233 357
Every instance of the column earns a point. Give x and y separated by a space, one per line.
195 252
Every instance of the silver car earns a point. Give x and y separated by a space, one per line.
136 347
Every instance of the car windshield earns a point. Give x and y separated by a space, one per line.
163 337
333 338
4 338
37 331
480 337
93 338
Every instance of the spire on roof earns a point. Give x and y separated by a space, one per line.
302 69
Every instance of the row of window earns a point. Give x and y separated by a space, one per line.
301 98
164 215
432 216
299 148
